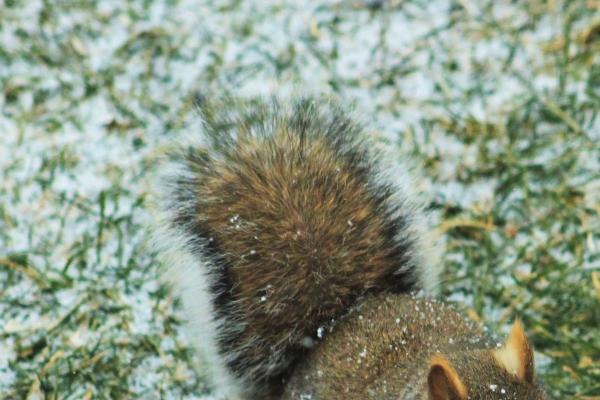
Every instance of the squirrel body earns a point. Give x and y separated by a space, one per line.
295 251
387 346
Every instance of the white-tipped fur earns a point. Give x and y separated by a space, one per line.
188 276
402 174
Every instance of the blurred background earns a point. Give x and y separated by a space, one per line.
499 102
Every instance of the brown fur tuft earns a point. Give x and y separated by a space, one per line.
289 207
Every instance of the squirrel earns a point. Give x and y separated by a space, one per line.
306 271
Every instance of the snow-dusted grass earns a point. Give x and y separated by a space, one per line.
499 101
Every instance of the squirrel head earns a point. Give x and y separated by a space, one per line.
504 373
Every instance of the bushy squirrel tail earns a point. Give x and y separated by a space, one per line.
274 226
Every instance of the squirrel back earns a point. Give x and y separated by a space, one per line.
287 217
407 347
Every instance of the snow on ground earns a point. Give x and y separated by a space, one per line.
93 93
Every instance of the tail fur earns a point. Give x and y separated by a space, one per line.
275 226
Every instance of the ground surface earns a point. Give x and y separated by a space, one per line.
498 100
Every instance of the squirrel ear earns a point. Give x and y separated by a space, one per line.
443 382
517 356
